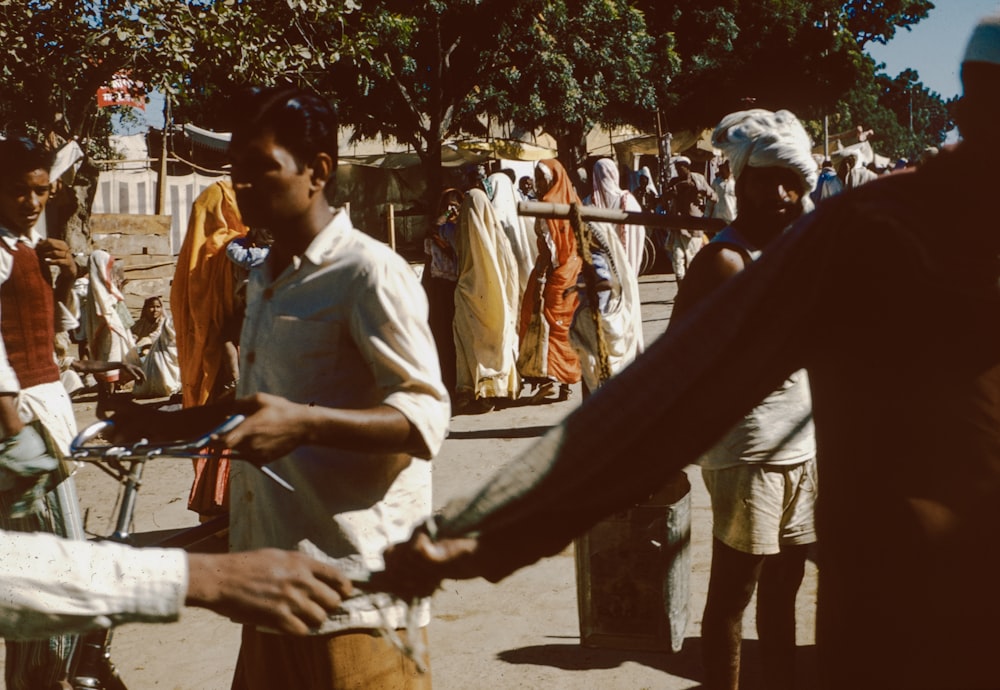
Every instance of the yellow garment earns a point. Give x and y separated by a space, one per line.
486 299
203 301
202 297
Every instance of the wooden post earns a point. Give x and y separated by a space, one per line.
390 219
161 178
538 209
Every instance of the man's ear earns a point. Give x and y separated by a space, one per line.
322 169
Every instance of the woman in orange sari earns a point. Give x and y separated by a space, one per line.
204 304
546 355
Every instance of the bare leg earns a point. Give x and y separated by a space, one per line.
734 576
779 583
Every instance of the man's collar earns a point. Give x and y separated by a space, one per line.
321 244
11 238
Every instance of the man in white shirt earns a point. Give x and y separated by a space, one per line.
724 184
52 586
340 386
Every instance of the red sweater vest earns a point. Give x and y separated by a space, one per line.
27 318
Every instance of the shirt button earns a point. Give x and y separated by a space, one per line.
251 356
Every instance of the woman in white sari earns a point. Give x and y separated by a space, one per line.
108 337
157 344
608 193
519 231
618 310
486 298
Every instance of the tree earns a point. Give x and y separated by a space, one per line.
878 20
55 55
572 65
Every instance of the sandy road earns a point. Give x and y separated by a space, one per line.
521 633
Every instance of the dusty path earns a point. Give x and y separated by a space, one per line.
522 633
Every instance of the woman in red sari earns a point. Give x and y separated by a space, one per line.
546 356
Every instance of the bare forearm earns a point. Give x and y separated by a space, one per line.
274 427
10 422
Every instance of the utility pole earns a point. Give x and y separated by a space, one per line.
161 179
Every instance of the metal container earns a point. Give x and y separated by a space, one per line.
633 573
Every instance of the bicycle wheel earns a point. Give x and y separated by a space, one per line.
648 255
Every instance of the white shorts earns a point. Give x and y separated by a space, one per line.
758 509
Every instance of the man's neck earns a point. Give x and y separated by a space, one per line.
294 240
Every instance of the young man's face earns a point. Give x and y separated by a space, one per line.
22 200
770 198
272 189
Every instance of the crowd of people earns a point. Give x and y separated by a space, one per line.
787 358
519 305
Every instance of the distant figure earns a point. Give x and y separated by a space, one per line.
109 338
486 299
608 193
526 189
687 194
157 345
439 280
204 302
828 184
546 356
724 185
645 192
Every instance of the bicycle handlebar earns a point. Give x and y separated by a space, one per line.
144 450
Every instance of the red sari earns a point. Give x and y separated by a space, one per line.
558 264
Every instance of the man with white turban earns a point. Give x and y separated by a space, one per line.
902 345
687 193
762 475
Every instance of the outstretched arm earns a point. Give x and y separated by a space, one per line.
50 585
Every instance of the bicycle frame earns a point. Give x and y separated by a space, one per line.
91 667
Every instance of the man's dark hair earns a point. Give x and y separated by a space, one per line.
301 121
20 155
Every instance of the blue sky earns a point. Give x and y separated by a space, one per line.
935 46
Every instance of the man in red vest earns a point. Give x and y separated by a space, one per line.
36 417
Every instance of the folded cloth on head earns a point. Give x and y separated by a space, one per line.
762 139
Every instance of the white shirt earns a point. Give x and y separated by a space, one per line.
50 585
66 316
344 326
725 206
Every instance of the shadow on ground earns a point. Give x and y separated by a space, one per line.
684 664
523 432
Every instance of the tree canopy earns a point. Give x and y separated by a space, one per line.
424 71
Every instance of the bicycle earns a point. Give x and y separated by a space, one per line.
91 667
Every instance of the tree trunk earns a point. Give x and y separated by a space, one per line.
572 143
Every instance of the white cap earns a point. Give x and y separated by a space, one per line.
984 45
678 160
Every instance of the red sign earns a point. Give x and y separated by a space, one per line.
123 91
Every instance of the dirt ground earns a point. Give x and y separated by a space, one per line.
521 633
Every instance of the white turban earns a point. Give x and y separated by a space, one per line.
984 45
762 139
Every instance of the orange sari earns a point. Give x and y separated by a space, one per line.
203 301
558 264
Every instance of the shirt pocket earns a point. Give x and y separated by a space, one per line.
301 360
